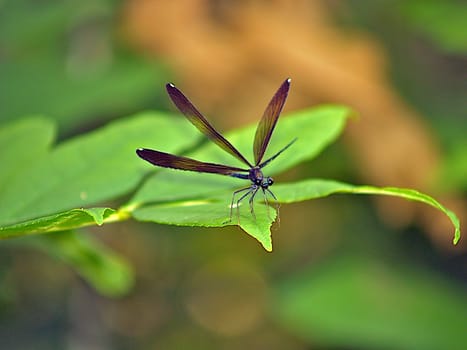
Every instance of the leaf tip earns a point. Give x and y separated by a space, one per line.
267 245
457 237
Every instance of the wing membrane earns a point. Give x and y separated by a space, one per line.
197 119
168 160
269 120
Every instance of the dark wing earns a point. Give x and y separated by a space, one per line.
269 120
197 119
167 160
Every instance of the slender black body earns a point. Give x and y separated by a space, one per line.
253 172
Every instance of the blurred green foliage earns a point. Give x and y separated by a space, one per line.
106 271
354 301
443 22
64 60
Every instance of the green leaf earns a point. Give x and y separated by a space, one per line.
51 189
212 213
88 169
105 270
398 307
176 197
63 221
23 143
314 188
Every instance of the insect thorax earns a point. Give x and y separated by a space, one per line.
257 178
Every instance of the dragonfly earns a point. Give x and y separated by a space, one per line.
252 171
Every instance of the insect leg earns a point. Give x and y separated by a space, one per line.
277 205
233 198
250 190
254 190
266 201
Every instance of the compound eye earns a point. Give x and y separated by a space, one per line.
270 181
258 182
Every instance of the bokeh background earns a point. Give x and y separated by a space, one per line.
346 272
